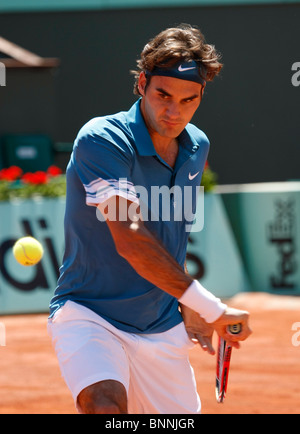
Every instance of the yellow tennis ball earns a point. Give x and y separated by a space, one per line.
28 251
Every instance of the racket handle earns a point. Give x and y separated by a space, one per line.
234 329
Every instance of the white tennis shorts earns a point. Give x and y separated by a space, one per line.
154 368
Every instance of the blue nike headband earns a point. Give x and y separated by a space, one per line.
190 71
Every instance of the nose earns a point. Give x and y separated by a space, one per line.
173 111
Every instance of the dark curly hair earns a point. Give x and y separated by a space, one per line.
181 43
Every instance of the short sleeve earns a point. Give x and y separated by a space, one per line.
104 163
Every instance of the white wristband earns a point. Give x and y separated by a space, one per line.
196 297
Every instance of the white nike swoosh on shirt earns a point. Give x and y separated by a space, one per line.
181 69
191 177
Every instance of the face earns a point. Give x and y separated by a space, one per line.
168 104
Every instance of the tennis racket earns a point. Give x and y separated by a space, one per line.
223 363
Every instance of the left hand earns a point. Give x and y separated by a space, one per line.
197 329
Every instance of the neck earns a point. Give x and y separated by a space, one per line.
162 144
166 148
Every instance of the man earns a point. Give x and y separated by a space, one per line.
117 314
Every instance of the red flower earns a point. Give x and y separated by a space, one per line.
13 173
206 165
38 177
10 174
54 171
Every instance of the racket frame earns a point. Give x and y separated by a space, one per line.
222 371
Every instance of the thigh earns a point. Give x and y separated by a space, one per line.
162 380
87 352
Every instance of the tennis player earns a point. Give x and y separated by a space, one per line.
125 310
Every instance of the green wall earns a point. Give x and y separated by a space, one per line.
59 5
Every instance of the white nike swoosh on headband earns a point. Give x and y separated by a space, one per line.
191 177
181 69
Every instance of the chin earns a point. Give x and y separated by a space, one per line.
171 132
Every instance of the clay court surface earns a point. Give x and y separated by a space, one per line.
264 376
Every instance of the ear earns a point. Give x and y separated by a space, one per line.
202 90
142 83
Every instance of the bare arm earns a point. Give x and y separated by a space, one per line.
145 253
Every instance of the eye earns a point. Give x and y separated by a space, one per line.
189 100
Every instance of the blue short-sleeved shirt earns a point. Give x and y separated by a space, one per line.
114 156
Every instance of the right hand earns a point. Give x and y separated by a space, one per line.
233 316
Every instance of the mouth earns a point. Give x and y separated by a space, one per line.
171 123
